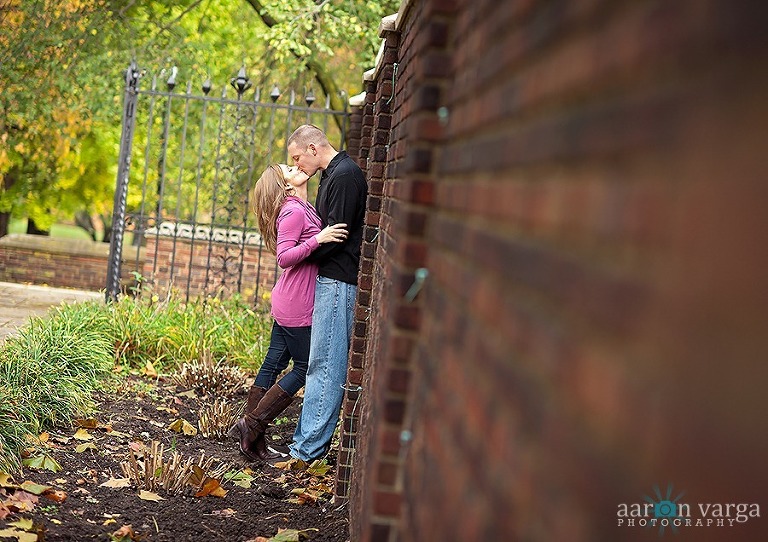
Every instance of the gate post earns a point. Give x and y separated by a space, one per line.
121 187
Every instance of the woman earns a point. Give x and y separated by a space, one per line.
291 229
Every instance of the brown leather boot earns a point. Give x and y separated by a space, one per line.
255 423
254 396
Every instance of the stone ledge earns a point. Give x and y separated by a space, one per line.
55 245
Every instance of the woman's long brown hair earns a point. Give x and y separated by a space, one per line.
268 197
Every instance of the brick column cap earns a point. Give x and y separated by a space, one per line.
358 100
387 24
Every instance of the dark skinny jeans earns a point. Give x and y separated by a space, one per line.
285 344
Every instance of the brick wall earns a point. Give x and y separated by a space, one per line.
584 182
208 269
65 263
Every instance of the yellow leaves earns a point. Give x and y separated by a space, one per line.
87 423
292 464
21 536
85 446
182 426
116 483
150 496
82 434
6 480
149 370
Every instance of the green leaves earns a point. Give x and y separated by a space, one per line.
42 462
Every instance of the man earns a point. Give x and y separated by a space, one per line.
341 198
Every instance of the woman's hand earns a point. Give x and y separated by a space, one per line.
333 234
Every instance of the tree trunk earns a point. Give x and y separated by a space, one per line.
83 220
9 179
32 228
322 76
5 219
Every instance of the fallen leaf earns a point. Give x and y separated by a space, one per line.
319 467
6 480
149 370
88 423
191 394
109 521
4 511
43 437
21 536
86 446
182 426
35 489
55 495
82 434
25 524
116 482
124 533
21 501
43 462
293 463
227 513
211 487
137 446
291 535
60 480
118 434
56 521
197 476
149 496
168 410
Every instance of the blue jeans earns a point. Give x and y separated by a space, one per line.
332 320
285 343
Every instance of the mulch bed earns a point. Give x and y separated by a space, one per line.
142 412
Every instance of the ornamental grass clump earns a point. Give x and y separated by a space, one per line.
48 373
147 470
215 419
168 332
210 377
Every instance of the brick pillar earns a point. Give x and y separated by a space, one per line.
371 155
355 133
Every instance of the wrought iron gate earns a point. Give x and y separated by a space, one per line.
181 215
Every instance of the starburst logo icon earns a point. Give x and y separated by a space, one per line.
664 507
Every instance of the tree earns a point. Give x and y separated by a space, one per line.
60 65
313 31
44 117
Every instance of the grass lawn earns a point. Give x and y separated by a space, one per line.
57 230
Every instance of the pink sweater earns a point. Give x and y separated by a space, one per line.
293 296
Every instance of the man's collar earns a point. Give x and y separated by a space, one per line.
335 162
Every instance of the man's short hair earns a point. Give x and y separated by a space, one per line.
306 134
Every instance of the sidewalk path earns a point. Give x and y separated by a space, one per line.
20 301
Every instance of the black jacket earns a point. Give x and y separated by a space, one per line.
341 198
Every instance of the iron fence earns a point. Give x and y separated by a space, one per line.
181 217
